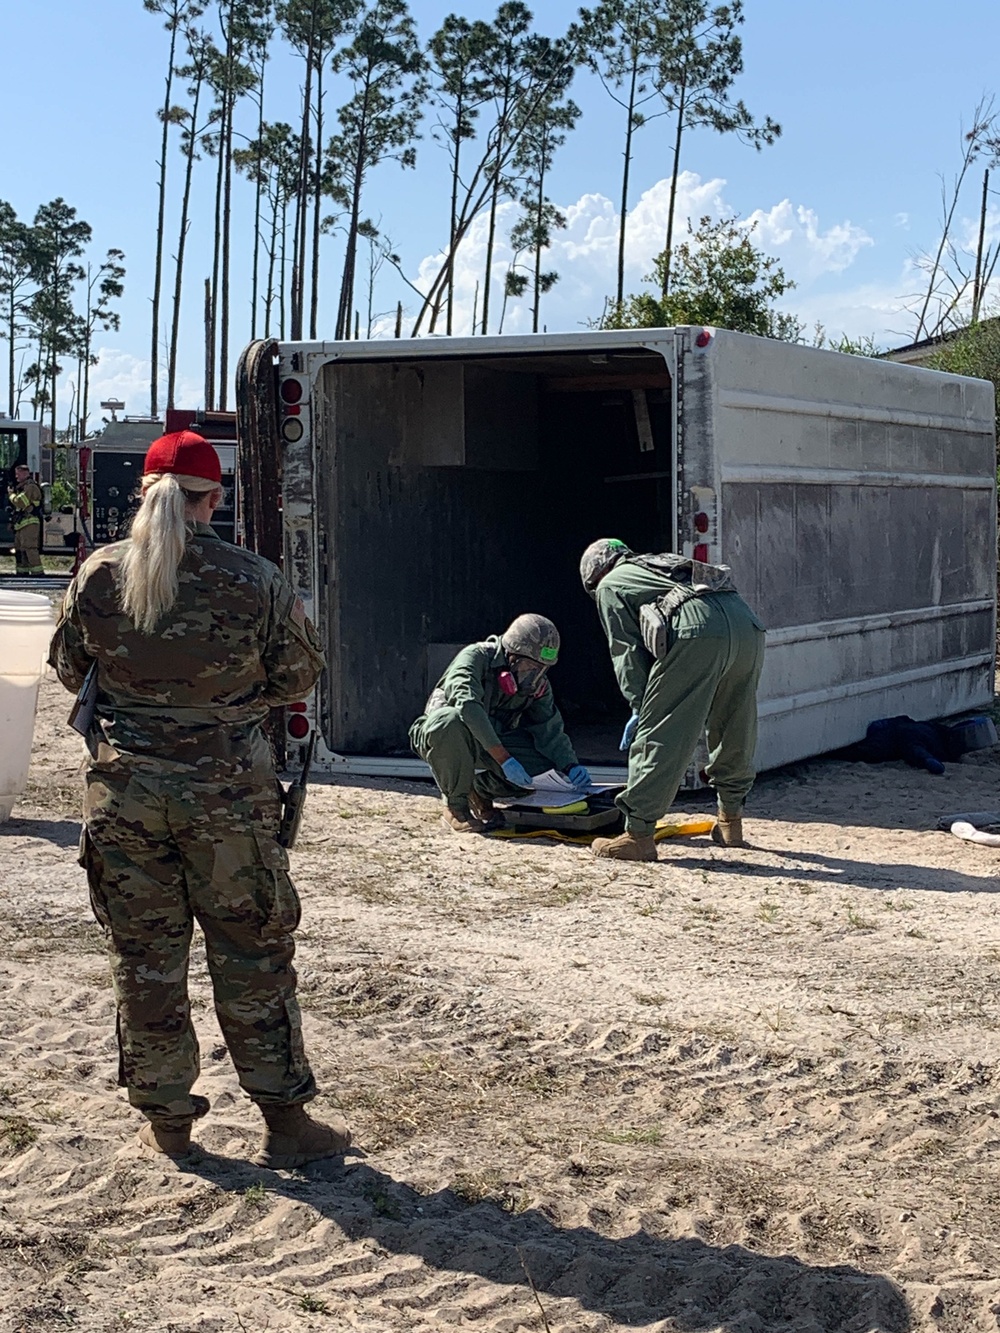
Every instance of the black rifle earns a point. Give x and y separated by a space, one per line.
294 799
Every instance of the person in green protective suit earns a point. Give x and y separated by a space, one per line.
707 679
491 725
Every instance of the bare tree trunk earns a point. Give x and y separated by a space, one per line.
299 246
214 293
12 325
52 362
175 322
154 405
626 170
536 303
491 240
271 255
668 248
317 201
226 217
977 290
346 304
209 348
256 203
52 375
453 218
83 408
283 284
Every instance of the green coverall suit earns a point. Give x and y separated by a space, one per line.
468 714
707 679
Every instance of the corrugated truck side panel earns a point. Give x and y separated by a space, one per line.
857 506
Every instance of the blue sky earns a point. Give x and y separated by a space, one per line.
871 95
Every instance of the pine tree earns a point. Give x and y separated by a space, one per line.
272 163
177 14
459 88
620 41
19 264
200 54
513 101
244 26
59 239
702 58
545 132
101 286
384 67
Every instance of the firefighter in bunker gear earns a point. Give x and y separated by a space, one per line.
24 499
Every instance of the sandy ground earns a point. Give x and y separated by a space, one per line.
749 1092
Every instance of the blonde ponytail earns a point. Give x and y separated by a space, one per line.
149 582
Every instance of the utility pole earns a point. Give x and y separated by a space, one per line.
977 287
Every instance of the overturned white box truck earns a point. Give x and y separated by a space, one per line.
420 494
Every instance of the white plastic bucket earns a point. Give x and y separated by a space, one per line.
25 631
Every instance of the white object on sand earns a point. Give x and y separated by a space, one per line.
965 826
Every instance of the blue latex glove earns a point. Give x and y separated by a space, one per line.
628 735
514 771
580 777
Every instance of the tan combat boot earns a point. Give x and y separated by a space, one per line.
626 847
171 1142
292 1138
485 811
174 1141
482 807
728 831
460 819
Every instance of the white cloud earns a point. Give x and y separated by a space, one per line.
806 252
867 309
969 234
585 254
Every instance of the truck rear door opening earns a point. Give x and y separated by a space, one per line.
454 495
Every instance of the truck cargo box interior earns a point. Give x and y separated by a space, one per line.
454 495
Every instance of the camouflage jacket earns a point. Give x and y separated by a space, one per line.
191 696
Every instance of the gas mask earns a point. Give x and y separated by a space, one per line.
524 675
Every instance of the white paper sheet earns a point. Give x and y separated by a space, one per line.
552 791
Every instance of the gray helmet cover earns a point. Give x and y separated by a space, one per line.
534 637
600 557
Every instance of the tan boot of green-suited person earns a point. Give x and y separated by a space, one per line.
292 1138
626 847
728 831
485 811
460 819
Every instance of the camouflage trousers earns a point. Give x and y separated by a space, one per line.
160 853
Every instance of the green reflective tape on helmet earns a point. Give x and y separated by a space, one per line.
549 654
615 545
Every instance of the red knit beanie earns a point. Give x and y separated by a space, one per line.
184 453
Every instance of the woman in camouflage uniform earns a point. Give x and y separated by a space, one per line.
194 641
